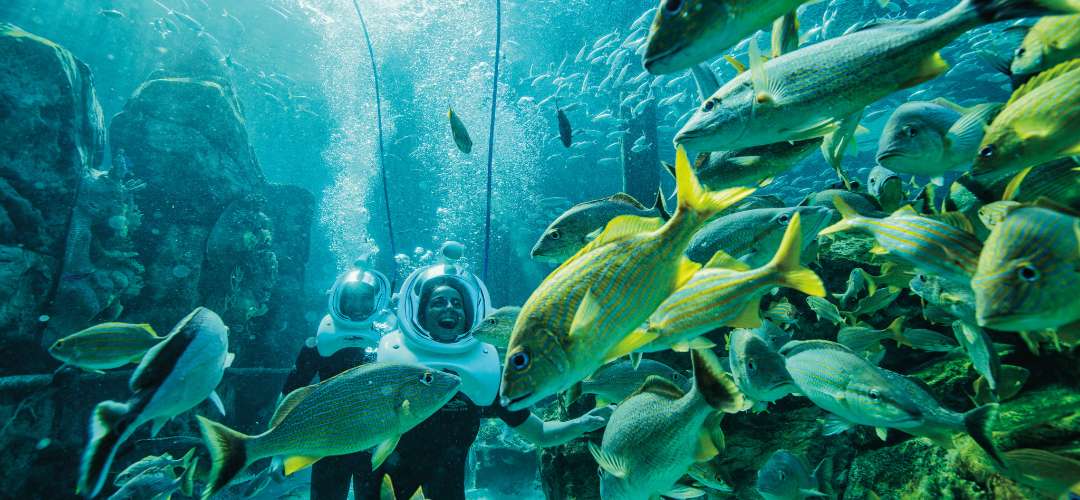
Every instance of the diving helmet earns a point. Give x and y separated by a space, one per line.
358 303
418 287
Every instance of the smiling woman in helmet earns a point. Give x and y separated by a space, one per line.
356 320
439 306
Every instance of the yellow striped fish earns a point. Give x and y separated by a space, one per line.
105 346
725 292
574 319
1040 123
930 245
1028 272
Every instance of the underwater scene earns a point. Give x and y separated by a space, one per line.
525 249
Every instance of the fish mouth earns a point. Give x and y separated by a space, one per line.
518 403
887 154
659 63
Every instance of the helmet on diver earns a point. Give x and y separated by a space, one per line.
358 300
425 285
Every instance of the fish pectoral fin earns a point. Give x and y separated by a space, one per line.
586 314
694 343
632 342
682 491
721 259
930 68
834 425
744 161
610 463
767 91
158 424
705 449
298 462
686 270
229 358
964 136
748 317
879 250
811 492
383 451
882 433
216 400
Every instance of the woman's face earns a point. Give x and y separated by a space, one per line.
444 314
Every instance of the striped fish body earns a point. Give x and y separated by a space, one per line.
573 321
929 245
1040 123
812 89
366 406
1028 272
628 279
1056 180
713 298
656 437
843 383
355 411
752 236
105 346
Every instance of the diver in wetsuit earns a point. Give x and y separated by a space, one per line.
346 338
438 307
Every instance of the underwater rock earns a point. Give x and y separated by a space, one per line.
25 277
53 134
185 139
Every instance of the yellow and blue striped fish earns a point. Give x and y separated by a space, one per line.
725 293
105 346
574 319
1029 272
929 245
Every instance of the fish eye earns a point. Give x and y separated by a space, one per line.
781 475
987 151
922 278
1027 272
489 321
1020 52
672 7
520 360
875 395
427 378
784 218
910 131
750 365
555 234
708 106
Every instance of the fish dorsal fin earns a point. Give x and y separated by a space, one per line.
655 384
722 260
796 346
905 211
881 24
289 403
1042 78
619 228
1049 204
147 328
627 199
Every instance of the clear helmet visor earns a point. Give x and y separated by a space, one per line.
441 305
358 295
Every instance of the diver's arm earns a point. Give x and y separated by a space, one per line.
545 434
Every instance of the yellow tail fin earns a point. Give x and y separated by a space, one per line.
848 217
693 197
786 262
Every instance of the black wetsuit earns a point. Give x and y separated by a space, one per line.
330 477
432 455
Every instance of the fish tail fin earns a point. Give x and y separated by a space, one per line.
187 480
715 385
694 198
848 217
108 425
979 423
992 11
228 453
786 262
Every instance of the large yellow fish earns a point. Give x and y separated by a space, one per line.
725 293
1040 123
573 321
